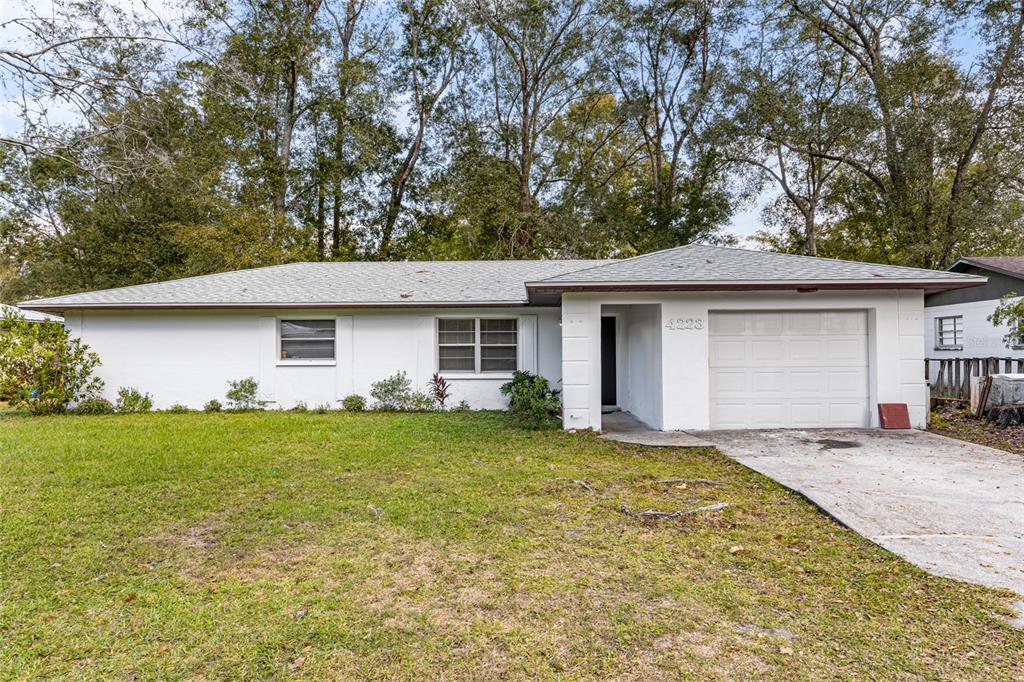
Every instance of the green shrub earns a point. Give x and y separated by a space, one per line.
531 400
244 394
462 406
322 409
213 406
395 394
178 408
300 407
94 405
354 403
130 400
42 368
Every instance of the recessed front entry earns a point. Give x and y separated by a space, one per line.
609 387
790 368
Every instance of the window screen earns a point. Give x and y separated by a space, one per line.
477 345
307 339
949 331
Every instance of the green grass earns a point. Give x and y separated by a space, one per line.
441 546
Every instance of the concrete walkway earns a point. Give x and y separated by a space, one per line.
625 428
952 508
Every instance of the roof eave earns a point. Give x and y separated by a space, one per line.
987 266
929 286
43 306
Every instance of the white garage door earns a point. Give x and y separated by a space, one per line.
782 369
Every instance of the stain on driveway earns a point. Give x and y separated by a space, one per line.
955 509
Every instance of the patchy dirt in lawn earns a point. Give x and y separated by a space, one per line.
962 425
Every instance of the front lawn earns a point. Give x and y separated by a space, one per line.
393 546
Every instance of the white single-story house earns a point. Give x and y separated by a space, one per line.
694 337
956 320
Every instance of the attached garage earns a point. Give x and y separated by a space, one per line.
789 369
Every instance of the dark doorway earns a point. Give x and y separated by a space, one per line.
609 392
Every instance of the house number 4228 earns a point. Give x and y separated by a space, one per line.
685 323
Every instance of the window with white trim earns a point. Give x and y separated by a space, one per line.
477 345
949 332
306 339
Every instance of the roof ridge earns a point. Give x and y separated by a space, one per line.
818 258
696 245
616 261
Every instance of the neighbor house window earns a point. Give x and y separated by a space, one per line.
477 345
949 332
307 339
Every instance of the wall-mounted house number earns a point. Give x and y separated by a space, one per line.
685 323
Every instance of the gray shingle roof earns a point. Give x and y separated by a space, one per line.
487 282
358 283
698 263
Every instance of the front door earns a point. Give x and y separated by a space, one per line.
609 390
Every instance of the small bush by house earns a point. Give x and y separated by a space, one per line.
244 394
94 405
132 400
354 403
396 394
531 400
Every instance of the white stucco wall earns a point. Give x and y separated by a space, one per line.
896 343
981 339
188 357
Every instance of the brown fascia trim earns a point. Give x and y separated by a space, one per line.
42 307
771 285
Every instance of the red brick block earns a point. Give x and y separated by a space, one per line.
894 415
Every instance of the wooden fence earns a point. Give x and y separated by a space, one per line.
953 378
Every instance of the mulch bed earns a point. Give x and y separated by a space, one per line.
964 426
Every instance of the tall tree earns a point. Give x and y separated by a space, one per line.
433 51
540 61
934 120
670 69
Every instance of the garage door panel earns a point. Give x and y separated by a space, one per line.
846 414
808 381
846 322
798 369
806 350
729 351
768 415
847 351
767 324
851 382
803 323
729 415
724 382
807 414
767 350
768 381
728 323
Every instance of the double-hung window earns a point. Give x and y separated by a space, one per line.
307 340
477 345
949 333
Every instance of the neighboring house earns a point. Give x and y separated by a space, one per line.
956 321
695 337
30 315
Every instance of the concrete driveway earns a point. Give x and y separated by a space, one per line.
955 509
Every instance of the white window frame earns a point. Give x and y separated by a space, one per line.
321 362
957 331
477 371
